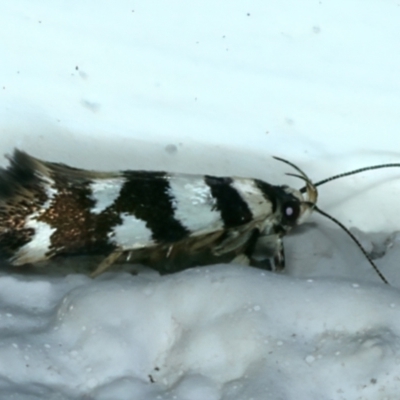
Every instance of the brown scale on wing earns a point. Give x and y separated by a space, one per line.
24 193
21 195
78 230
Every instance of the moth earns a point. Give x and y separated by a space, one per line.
165 220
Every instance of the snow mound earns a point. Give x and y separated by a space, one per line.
225 332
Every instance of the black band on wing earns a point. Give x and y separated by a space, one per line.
269 192
234 210
145 195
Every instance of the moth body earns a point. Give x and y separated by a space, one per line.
168 221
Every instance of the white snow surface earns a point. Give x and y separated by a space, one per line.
217 88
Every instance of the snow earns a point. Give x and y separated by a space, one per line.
218 88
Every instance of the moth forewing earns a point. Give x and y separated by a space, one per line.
170 221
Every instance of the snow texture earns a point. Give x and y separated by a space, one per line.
217 88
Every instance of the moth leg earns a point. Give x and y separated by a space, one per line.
106 263
246 257
279 256
169 251
128 256
268 253
252 243
241 259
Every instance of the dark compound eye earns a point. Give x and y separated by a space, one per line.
291 211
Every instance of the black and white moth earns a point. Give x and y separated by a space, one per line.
164 220
167 221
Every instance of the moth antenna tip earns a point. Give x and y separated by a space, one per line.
356 241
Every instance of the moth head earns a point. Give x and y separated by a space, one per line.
298 207
297 210
309 200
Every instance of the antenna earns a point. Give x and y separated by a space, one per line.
337 222
310 188
354 172
355 240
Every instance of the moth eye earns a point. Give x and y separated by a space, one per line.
291 210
